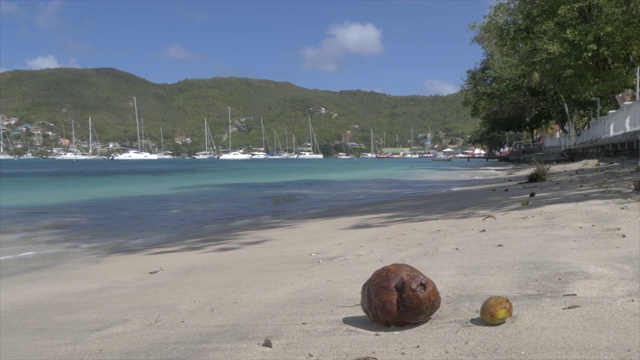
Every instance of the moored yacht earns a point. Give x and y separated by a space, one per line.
134 155
235 155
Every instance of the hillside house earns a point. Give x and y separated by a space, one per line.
319 110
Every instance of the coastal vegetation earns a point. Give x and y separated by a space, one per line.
539 173
551 62
52 98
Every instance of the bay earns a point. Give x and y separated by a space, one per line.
53 211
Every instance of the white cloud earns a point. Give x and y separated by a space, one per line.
437 87
177 52
48 62
47 16
3 69
343 40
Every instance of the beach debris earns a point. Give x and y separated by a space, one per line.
570 295
636 186
489 217
571 307
524 202
366 358
267 343
156 271
155 322
399 295
495 310
532 194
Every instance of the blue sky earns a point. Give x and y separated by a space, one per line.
393 47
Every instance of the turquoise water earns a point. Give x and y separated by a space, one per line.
50 207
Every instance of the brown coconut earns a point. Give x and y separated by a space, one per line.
399 295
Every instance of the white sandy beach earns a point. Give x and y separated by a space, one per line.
569 262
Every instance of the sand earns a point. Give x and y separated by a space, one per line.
569 261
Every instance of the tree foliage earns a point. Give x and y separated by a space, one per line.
542 57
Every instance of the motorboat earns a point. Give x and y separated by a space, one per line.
235 155
134 155
309 155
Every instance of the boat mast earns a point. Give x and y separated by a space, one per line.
135 106
411 151
90 148
1 144
262 124
162 140
141 146
73 136
229 128
310 134
372 150
206 137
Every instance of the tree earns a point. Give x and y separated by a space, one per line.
543 56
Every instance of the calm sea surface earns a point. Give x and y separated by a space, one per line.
54 210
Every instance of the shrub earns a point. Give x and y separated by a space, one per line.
540 173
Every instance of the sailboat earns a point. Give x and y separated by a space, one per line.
311 154
3 155
260 154
345 155
411 154
74 153
233 155
372 154
283 153
163 154
207 153
136 154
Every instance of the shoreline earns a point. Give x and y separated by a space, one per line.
297 281
29 246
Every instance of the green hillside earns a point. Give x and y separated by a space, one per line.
106 95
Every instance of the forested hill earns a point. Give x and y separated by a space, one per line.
106 95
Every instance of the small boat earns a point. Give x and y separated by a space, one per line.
138 154
344 156
71 155
134 155
441 158
258 155
204 155
208 152
74 153
389 156
235 155
311 154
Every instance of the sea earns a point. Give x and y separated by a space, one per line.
54 211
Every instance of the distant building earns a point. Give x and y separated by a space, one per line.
182 140
319 110
10 121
